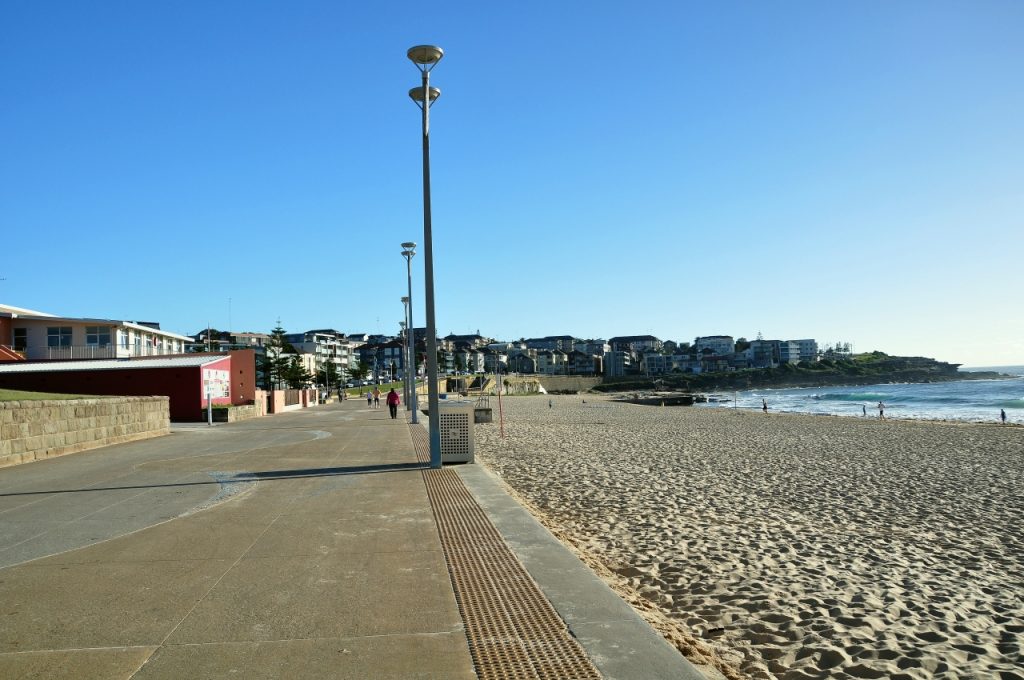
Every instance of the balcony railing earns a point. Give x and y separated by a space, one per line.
69 352
78 352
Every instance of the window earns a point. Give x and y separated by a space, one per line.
58 336
97 335
20 339
124 339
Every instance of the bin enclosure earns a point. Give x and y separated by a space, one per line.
457 437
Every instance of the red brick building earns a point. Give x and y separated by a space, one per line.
229 377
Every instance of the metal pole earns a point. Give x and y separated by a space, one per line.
405 352
428 275
410 378
413 398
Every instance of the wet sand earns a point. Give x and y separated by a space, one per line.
787 546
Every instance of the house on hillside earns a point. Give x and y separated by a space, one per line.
635 343
522 362
718 345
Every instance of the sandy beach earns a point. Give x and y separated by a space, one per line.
787 546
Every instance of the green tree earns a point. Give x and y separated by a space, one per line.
359 371
328 374
273 363
742 344
295 374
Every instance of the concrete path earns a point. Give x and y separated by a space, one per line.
298 545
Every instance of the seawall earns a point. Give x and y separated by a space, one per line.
35 430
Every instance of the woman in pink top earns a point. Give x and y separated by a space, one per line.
393 401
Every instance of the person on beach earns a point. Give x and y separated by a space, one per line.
864 410
764 405
393 401
1002 415
549 403
376 396
881 411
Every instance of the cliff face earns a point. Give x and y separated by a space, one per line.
864 369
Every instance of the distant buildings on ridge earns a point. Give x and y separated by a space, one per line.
32 335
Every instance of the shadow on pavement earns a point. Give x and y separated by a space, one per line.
243 477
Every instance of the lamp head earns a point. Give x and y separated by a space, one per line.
425 57
416 94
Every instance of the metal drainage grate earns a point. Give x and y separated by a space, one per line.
513 630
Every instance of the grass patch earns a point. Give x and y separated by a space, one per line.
19 395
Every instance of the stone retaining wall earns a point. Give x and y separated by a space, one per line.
34 430
568 383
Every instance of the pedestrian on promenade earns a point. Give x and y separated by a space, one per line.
881 411
393 401
369 399
1002 415
376 396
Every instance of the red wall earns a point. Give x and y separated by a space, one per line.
183 385
243 376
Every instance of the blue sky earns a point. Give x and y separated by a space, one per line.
848 171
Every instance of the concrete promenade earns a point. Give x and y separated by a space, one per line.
300 545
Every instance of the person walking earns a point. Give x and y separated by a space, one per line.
369 399
376 396
393 401
1002 415
881 411
864 410
764 405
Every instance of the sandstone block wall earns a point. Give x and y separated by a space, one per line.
33 430
568 383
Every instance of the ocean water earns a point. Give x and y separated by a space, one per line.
966 400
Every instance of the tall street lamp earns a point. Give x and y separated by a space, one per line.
405 351
408 251
425 57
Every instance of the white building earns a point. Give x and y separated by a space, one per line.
655 363
618 363
326 346
551 362
720 345
808 349
46 337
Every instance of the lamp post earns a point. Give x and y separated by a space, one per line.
425 58
405 352
408 250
